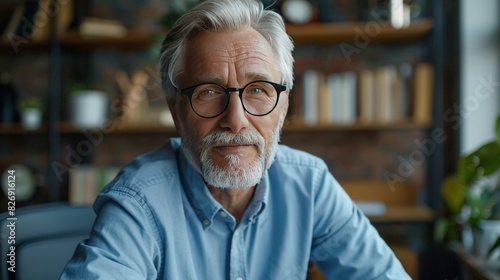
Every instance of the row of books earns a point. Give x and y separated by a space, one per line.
385 94
86 181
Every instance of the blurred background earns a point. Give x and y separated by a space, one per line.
399 97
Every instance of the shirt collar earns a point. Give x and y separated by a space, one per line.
259 200
202 201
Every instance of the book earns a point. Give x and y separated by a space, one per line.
424 84
323 99
384 79
335 88
396 93
366 96
350 97
343 97
310 97
405 75
102 27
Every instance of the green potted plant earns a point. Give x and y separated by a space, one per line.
88 106
472 197
31 111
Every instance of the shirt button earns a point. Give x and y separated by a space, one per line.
206 222
239 278
223 214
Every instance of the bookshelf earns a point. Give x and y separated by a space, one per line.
316 33
321 139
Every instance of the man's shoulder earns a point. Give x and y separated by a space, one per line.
151 168
292 156
293 160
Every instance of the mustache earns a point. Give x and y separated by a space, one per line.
220 138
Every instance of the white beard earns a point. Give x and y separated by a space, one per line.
236 174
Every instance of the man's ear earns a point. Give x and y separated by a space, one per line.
284 109
287 102
171 102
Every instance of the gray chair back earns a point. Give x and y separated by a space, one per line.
45 237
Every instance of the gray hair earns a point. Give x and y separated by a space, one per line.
224 15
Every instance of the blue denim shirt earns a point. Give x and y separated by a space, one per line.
157 220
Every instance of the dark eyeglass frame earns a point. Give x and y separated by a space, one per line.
190 90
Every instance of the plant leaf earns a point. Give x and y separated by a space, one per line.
494 246
467 169
489 158
482 162
453 191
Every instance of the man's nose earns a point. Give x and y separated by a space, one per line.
235 117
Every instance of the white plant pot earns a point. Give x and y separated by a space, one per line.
88 109
31 118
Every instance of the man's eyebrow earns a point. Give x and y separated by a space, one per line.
249 77
209 79
254 76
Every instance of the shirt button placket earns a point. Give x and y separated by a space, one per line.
237 263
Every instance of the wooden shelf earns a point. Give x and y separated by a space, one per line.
400 201
69 128
331 33
298 126
17 128
405 214
134 40
7 47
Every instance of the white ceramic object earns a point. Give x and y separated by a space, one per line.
31 118
88 109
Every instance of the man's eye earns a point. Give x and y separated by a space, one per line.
256 90
208 92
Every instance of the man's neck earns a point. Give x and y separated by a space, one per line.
235 201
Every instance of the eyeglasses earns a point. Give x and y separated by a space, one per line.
209 100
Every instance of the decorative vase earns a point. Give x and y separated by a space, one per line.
31 118
88 108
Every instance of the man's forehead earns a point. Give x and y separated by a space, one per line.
209 57
229 44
